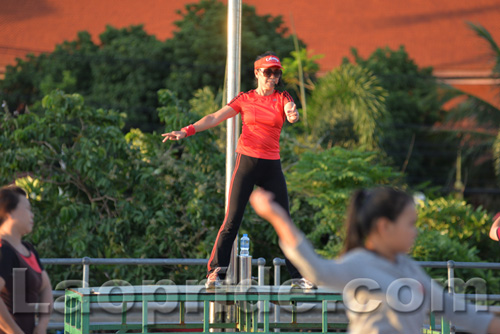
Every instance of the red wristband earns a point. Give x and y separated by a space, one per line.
190 130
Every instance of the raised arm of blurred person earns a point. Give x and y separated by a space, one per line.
264 205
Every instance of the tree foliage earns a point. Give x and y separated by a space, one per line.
307 62
414 107
452 229
483 33
130 68
320 185
125 68
347 108
198 48
102 188
99 193
123 72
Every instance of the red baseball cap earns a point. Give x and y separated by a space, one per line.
267 61
496 216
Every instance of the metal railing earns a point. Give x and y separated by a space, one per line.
87 262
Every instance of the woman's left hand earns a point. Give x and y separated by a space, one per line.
292 115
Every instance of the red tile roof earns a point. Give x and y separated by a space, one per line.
433 32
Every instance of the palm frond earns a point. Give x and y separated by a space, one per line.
352 98
448 92
482 32
484 113
485 34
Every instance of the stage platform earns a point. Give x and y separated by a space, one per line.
251 308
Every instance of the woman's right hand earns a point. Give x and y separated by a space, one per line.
174 135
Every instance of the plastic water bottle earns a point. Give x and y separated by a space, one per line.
244 245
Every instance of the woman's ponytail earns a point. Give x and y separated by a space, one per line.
354 231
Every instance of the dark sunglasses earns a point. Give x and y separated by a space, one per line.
268 72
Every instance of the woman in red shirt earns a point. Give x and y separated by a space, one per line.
263 112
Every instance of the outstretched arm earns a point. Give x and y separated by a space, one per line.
494 228
203 124
296 248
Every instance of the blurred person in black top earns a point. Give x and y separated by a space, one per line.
23 281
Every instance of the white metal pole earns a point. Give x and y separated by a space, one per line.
233 64
233 88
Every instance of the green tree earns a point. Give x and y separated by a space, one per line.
320 186
414 107
31 78
103 194
291 70
452 229
124 71
126 68
128 72
346 108
198 49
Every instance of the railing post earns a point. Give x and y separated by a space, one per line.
86 271
261 262
261 271
277 271
277 282
451 286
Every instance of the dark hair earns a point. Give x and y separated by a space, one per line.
9 199
265 54
366 207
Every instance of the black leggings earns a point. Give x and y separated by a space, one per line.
248 172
